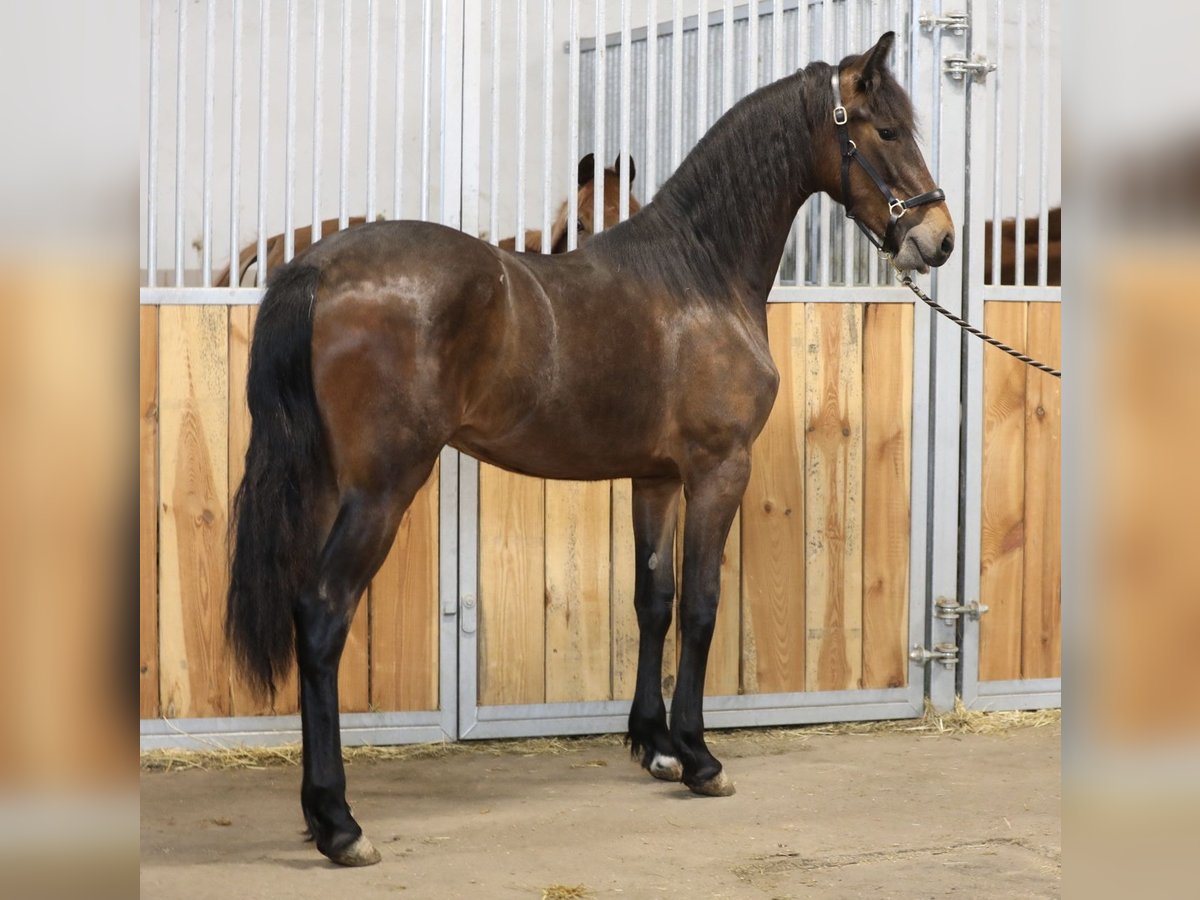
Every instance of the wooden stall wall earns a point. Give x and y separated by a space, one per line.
1020 572
194 432
815 572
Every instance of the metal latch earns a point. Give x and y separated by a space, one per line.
956 22
946 654
468 614
959 67
947 609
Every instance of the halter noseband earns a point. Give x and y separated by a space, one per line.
896 208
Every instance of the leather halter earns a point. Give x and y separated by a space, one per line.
896 208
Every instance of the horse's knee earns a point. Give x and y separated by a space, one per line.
698 614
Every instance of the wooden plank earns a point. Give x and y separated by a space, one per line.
578 562
1041 643
148 512
354 673
193 399
887 465
833 496
404 611
512 588
622 614
1002 550
772 524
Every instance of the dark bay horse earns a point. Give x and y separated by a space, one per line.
643 355
302 238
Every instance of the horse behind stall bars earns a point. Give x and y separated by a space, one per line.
302 237
643 355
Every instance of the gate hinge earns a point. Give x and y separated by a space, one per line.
946 654
947 609
956 22
959 67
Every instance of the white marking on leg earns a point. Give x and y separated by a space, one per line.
668 768
653 562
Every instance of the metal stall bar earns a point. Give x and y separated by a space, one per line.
264 96
598 98
727 56
344 133
289 139
522 124
573 135
1022 89
676 81
494 139
318 112
372 92
800 227
849 245
702 34
206 186
235 150
826 218
777 72
426 77
751 46
152 156
180 138
398 129
997 138
1044 168
548 123
626 103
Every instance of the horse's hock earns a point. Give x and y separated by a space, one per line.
505 605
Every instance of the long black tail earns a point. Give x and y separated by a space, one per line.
273 529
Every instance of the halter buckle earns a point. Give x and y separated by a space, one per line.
839 115
895 205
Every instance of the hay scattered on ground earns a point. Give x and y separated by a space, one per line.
959 722
565 892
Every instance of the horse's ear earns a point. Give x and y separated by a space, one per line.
875 61
632 167
587 169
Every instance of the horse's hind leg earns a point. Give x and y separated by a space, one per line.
364 529
655 509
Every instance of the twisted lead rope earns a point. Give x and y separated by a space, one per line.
906 280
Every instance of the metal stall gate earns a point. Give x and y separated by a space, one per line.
518 615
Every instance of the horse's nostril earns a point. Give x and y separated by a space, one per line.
947 244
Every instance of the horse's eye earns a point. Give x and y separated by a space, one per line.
888 134
579 225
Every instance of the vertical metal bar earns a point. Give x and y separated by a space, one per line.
289 138
751 46
235 149
702 119
1044 194
426 73
849 245
372 89
806 216
522 125
206 185
152 156
344 135
547 122
180 138
264 95
494 211
1022 83
318 112
676 84
599 85
472 72
826 216
450 116
648 164
997 142
573 125
727 56
626 102
398 140
777 39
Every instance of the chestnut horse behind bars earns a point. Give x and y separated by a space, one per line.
643 355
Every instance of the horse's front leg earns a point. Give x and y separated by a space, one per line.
655 510
713 497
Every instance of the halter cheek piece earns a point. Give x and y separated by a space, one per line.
850 154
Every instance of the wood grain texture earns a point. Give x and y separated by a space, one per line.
194 494
1041 643
578 563
1002 550
354 673
887 469
833 497
623 615
772 524
512 588
405 611
148 511
723 675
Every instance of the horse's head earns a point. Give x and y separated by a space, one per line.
612 195
880 166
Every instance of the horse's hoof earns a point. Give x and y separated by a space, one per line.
666 768
361 853
720 785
